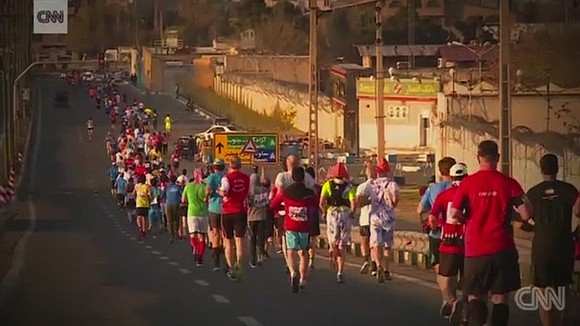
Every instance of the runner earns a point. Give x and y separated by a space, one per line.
363 196
168 122
553 245
130 200
155 207
172 194
258 205
90 128
384 195
314 220
143 203
491 258
113 173
444 165
121 185
451 249
299 203
196 194
234 190
338 201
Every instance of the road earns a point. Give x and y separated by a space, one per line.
80 264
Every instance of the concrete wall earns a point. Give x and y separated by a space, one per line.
472 121
264 97
290 69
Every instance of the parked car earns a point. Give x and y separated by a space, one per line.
214 129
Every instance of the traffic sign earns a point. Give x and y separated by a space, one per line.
251 148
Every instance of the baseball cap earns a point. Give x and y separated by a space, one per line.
458 170
219 162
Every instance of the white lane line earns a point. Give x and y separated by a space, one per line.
133 238
148 247
201 283
396 276
172 263
184 271
156 253
164 258
220 298
10 280
249 321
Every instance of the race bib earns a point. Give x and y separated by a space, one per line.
299 214
260 200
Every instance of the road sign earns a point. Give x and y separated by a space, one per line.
251 148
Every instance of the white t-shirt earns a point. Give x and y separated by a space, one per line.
284 179
182 179
364 190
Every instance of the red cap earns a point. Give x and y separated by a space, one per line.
383 167
338 171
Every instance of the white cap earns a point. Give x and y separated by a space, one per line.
458 170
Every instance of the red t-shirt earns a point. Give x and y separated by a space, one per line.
488 197
452 233
235 200
140 170
300 205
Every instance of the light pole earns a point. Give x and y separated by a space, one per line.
313 86
380 82
504 94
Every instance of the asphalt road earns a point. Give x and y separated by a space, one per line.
82 265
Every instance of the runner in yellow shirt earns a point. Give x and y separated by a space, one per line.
168 122
143 203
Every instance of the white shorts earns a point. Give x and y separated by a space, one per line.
381 237
338 227
197 224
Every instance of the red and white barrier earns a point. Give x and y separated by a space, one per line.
4 197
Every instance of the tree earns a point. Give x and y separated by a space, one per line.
280 33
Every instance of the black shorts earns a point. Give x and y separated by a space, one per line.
551 270
314 226
234 225
434 244
496 274
113 185
121 198
451 265
142 211
269 225
131 204
183 211
215 221
365 231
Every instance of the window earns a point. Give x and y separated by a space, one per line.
215 130
232 128
398 112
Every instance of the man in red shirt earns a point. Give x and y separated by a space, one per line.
488 199
451 249
234 190
300 205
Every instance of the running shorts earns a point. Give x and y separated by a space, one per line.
381 237
197 224
364 230
142 211
131 203
234 225
338 227
154 214
553 270
121 199
113 186
215 220
434 251
297 240
172 213
496 274
451 265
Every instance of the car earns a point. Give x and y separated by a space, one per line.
218 128
118 81
61 99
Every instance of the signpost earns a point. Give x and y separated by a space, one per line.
261 149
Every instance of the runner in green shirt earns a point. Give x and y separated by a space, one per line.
196 195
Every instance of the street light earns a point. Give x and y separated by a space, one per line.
478 54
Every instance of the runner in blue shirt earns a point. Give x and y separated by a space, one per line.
121 185
172 195
213 182
113 173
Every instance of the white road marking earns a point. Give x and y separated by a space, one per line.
148 247
249 321
10 280
172 263
133 238
156 253
220 298
396 276
201 283
164 258
184 271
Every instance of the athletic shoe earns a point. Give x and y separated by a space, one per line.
294 283
446 310
456 316
253 265
381 276
365 267
302 286
231 275
339 279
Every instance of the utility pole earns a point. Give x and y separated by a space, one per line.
313 86
380 82
504 95
411 10
548 100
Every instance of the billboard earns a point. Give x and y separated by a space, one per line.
50 16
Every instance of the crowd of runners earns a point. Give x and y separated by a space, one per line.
218 206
